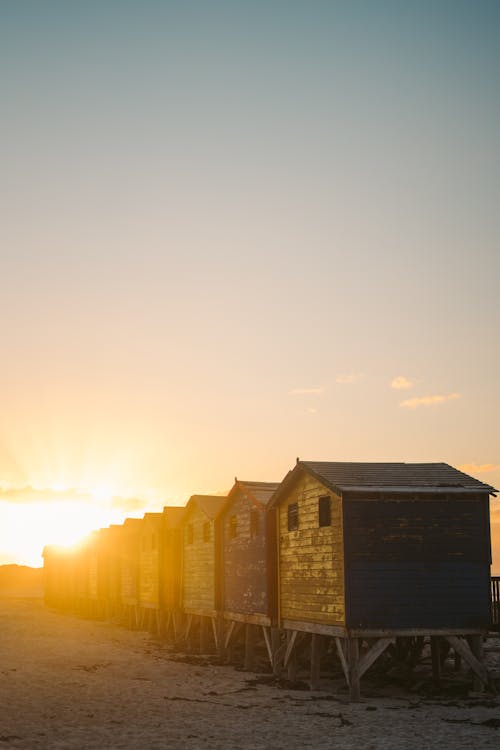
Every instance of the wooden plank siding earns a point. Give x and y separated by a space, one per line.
149 561
311 567
171 548
129 561
244 553
200 537
414 561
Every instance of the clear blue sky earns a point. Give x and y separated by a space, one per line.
226 228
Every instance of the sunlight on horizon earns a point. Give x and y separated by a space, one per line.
28 528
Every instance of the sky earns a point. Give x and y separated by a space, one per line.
235 233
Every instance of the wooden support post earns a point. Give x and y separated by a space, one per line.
343 662
316 653
204 648
457 665
473 660
220 640
436 660
267 641
476 646
189 625
249 647
276 649
291 656
353 661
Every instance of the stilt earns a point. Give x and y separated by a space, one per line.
436 661
249 647
275 648
476 646
291 655
353 662
316 653
204 647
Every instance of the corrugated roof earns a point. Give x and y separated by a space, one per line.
210 504
395 476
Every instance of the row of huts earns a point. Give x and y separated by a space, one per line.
351 554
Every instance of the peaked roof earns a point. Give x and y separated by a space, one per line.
260 491
365 477
209 504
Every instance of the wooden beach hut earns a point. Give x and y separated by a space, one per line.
200 595
129 571
245 591
368 552
150 538
170 571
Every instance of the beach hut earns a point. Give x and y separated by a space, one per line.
150 538
368 552
245 591
129 571
200 595
170 571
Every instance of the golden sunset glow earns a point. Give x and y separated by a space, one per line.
234 236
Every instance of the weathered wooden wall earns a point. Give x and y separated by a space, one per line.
311 565
149 560
129 561
171 564
199 562
417 563
244 558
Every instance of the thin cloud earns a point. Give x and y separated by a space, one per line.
349 378
414 403
307 391
479 468
401 382
30 495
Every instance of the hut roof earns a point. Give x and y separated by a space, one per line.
393 477
209 504
260 492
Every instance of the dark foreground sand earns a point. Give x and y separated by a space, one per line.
72 683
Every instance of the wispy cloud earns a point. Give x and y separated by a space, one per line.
479 468
317 391
402 382
26 495
352 377
414 403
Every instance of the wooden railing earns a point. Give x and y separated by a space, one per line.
495 601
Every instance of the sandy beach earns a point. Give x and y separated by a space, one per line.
74 683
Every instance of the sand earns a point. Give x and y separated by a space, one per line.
68 683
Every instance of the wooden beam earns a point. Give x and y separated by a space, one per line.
291 637
249 647
213 620
373 654
316 653
267 640
229 633
462 648
436 660
354 682
343 662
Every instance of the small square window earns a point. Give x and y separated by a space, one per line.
293 517
325 511
206 531
189 533
233 527
254 523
